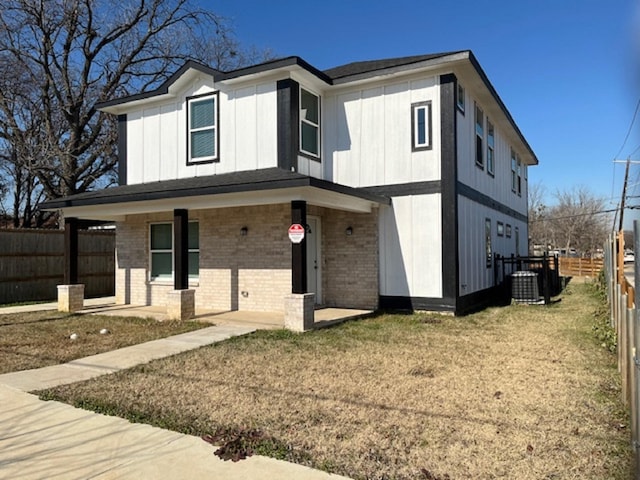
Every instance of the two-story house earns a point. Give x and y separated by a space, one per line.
407 174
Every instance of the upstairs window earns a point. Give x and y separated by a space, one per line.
519 167
421 126
309 123
514 171
460 98
479 116
490 148
203 129
161 250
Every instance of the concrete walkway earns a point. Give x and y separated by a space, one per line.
52 440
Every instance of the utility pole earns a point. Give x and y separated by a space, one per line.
624 192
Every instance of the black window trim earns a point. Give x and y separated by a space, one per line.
429 132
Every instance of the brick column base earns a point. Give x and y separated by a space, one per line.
299 311
70 298
181 304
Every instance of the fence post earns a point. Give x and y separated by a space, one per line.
545 279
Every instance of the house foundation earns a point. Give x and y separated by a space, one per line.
299 311
181 304
70 298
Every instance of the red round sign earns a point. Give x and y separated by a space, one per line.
296 233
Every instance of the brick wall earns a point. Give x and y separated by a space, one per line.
253 271
349 262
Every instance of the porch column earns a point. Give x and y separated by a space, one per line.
181 249
181 300
71 293
299 250
298 307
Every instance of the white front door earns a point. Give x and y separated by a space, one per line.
314 277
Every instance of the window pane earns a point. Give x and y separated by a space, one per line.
309 138
194 264
161 236
421 126
203 144
194 235
202 113
309 103
161 265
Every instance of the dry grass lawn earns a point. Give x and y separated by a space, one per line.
39 339
521 392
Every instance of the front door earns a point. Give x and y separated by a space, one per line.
314 278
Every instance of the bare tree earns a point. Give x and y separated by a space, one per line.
59 59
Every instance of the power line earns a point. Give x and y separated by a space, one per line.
633 120
599 212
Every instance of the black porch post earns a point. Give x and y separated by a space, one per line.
70 251
299 250
181 249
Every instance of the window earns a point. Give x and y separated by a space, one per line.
514 172
490 148
309 123
203 129
421 126
508 231
519 168
479 137
460 98
487 241
500 229
161 250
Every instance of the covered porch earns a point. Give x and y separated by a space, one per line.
246 266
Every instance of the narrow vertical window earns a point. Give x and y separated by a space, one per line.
487 242
519 167
421 126
514 172
517 234
194 250
309 123
490 149
479 137
460 98
202 129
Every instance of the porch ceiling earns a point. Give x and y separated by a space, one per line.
259 187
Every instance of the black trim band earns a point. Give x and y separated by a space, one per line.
122 149
288 124
482 199
406 189
449 176
389 302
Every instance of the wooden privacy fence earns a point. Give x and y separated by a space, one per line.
626 322
32 264
580 267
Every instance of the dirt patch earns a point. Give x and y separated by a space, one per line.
517 392
39 339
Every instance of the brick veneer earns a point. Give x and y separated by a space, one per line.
253 271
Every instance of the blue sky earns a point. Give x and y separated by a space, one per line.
568 70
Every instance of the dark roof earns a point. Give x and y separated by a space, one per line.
357 68
234 182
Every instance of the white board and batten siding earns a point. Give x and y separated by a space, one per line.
367 142
474 275
498 186
367 135
247 129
